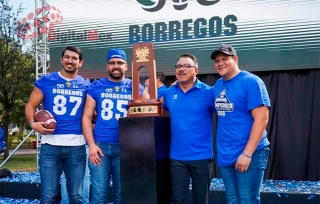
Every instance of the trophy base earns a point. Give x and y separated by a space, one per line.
138 108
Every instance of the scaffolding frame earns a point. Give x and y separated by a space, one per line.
42 53
42 56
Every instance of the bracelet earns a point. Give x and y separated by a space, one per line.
33 122
246 155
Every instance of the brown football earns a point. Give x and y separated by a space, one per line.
45 116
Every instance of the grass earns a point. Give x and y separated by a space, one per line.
23 163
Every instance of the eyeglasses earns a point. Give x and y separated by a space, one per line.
184 66
116 62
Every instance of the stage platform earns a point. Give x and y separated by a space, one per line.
24 185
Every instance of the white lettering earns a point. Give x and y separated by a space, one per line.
67 92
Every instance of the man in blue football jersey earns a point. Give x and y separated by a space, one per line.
189 102
109 98
242 104
63 94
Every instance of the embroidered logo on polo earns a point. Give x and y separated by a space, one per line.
223 104
175 96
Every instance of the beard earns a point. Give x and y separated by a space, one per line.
70 70
116 76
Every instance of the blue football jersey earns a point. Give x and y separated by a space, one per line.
65 100
112 100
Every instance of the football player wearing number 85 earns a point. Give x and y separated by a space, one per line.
63 94
109 98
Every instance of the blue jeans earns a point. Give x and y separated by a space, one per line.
86 185
245 187
101 174
55 159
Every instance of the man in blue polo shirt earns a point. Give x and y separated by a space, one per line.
190 105
160 83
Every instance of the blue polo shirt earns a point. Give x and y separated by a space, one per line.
161 90
191 121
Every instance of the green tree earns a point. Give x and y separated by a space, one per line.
17 67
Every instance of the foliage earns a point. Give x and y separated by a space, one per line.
24 163
17 67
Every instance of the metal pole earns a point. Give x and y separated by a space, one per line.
12 153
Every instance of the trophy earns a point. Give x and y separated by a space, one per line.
143 57
144 139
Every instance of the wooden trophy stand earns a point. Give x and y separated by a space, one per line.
143 56
144 139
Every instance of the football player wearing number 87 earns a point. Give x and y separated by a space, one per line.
109 97
63 148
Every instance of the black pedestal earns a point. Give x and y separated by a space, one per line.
144 160
20 190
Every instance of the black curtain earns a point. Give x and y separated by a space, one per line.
294 123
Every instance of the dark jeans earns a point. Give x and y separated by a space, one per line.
200 172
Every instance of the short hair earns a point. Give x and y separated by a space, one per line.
73 49
192 57
161 76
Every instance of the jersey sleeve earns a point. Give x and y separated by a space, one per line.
91 89
40 83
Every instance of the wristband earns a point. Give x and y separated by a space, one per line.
246 155
33 122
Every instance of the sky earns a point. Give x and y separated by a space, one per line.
28 4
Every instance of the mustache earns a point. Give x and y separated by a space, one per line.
116 69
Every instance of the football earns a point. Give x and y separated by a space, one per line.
45 116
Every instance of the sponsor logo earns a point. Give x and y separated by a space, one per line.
36 24
60 86
109 90
39 22
156 5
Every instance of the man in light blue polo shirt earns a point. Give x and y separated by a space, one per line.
190 105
